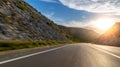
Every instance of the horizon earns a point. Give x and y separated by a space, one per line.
76 14
59 33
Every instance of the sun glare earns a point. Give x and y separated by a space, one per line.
103 24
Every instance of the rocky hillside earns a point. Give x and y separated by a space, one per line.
111 37
20 21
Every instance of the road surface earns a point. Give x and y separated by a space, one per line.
76 55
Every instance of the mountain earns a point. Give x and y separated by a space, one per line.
111 37
79 34
20 21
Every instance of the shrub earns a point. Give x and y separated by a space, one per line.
33 16
22 6
53 25
12 45
7 20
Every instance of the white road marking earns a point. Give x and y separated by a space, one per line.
22 57
26 56
105 51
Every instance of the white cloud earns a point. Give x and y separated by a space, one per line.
52 1
96 6
49 15
77 24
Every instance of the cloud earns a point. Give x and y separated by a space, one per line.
51 1
49 15
96 6
77 24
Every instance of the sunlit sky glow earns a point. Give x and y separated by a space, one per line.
103 24
99 14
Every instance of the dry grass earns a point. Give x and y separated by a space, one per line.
13 45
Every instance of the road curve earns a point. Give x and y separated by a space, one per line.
76 55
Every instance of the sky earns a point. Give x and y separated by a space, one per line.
77 13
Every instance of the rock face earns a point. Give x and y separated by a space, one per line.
111 37
20 21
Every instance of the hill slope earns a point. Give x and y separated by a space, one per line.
20 21
111 37
79 34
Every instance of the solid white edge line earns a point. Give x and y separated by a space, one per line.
37 53
106 52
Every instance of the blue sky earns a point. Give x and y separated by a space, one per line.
76 12
59 13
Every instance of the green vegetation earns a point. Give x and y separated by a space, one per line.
12 45
7 20
22 6
33 16
53 25
69 36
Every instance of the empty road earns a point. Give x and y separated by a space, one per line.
76 55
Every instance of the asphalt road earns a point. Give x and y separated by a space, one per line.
76 55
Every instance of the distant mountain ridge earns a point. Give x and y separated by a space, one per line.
79 34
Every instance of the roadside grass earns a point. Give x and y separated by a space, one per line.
13 45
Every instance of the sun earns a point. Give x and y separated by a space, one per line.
103 24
